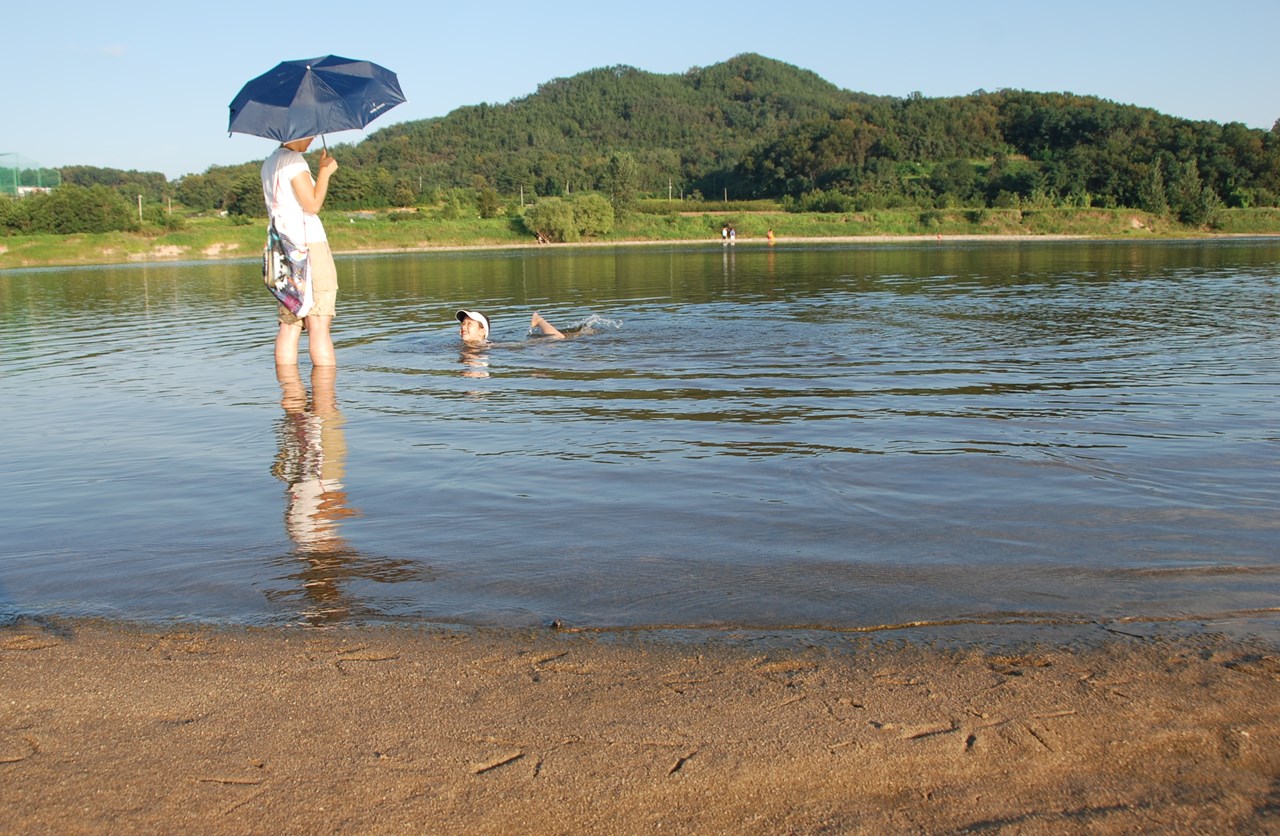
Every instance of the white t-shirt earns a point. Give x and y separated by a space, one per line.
278 171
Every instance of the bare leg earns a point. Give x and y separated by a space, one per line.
287 344
319 342
538 323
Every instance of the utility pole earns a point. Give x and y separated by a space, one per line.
139 208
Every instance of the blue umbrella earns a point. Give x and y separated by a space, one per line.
314 96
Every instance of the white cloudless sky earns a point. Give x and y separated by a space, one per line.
145 85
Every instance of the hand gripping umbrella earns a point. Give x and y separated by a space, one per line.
314 96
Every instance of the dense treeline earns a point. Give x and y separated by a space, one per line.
151 185
1019 147
13 178
688 130
754 128
67 209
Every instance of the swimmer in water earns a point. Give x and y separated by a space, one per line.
473 327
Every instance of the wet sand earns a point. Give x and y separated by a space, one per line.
127 729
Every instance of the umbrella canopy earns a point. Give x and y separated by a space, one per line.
314 96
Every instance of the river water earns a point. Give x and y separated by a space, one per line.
828 437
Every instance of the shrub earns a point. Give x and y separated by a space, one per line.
830 202
568 220
932 218
455 206
552 218
158 216
593 215
70 209
13 215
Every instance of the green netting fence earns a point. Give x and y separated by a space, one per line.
20 176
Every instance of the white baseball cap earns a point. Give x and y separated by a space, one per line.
478 317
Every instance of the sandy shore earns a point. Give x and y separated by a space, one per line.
125 729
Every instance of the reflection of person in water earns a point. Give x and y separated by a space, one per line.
476 360
312 458
311 461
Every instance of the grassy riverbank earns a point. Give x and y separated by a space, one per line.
211 238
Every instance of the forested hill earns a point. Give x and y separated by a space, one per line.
755 127
687 128
752 127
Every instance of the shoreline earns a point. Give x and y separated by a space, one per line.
231 252
107 726
750 242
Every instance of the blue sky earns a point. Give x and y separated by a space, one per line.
145 85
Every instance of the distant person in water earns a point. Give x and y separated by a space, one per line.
473 327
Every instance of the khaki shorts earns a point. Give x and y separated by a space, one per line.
324 285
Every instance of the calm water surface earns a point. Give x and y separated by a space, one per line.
828 437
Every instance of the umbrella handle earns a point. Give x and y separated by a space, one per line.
324 144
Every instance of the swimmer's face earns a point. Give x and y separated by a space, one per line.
471 331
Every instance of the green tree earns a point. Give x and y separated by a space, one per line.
622 182
592 214
552 218
244 197
488 203
1194 203
208 190
568 220
1151 193
954 180
455 206
152 185
350 188
403 194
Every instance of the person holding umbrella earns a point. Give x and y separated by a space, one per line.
293 103
294 199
